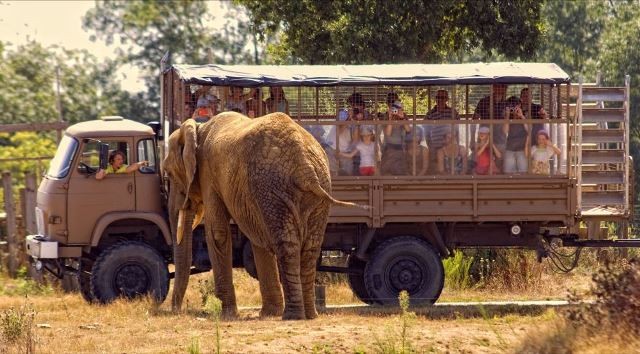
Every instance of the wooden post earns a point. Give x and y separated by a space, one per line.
11 224
29 203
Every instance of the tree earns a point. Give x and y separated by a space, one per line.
377 31
572 35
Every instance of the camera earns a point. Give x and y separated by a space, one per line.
394 110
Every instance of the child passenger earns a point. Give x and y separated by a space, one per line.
485 163
367 150
541 153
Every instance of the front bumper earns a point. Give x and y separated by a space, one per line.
40 248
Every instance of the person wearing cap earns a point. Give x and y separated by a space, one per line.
483 111
517 138
537 112
339 141
276 101
542 152
394 160
416 148
486 153
205 108
435 133
366 149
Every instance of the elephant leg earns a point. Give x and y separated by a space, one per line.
317 223
288 254
270 289
182 260
219 246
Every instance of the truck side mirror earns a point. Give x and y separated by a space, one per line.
157 129
104 155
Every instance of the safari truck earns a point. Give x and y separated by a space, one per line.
452 165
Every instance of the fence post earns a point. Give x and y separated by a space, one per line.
11 224
29 202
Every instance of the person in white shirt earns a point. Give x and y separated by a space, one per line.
542 153
366 148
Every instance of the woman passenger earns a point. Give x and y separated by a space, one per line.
452 157
517 145
394 160
276 101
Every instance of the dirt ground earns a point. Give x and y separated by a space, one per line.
65 324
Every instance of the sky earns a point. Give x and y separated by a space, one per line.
60 22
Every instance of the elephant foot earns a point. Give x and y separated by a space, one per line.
311 314
229 313
294 314
272 310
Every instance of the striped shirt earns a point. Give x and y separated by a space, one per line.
435 133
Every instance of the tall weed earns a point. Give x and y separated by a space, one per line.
16 328
457 271
398 341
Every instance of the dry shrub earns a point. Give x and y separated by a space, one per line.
606 320
17 329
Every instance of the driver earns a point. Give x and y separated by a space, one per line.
117 165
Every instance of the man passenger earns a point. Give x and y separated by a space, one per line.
537 112
435 133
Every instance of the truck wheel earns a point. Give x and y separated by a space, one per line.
247 260
84 280
355 276
129 269
404 263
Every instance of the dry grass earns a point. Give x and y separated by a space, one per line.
141 327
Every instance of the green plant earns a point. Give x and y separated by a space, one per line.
457 271
398 342
194 346
16 326
213 308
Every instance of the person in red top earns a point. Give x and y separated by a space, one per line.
485 163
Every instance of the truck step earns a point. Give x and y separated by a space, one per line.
602 156
602 136
607 94
599 115
602 177
600 198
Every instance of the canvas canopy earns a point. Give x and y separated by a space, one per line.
385 74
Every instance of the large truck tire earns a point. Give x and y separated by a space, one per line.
404 263
129 269
84 279
355 277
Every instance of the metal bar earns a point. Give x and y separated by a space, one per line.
579 147
414 128
627 83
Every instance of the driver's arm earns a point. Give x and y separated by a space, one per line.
100 174
136 166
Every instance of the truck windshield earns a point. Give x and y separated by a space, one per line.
64 155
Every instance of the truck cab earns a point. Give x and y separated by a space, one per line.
112 232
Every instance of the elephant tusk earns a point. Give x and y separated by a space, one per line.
180 228
198 218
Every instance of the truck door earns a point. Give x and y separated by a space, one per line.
148 193
90 199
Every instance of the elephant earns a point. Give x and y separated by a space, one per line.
272 178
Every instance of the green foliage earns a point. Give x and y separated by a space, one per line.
16 328
457 271
194 346
22 285
398 341
375 31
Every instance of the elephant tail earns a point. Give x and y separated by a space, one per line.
320 192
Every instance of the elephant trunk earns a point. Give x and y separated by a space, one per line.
182 254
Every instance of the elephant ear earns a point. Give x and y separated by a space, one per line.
189 142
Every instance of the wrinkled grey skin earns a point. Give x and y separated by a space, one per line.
272 178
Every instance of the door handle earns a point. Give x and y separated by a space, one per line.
130 187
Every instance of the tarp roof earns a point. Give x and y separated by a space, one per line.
385 74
